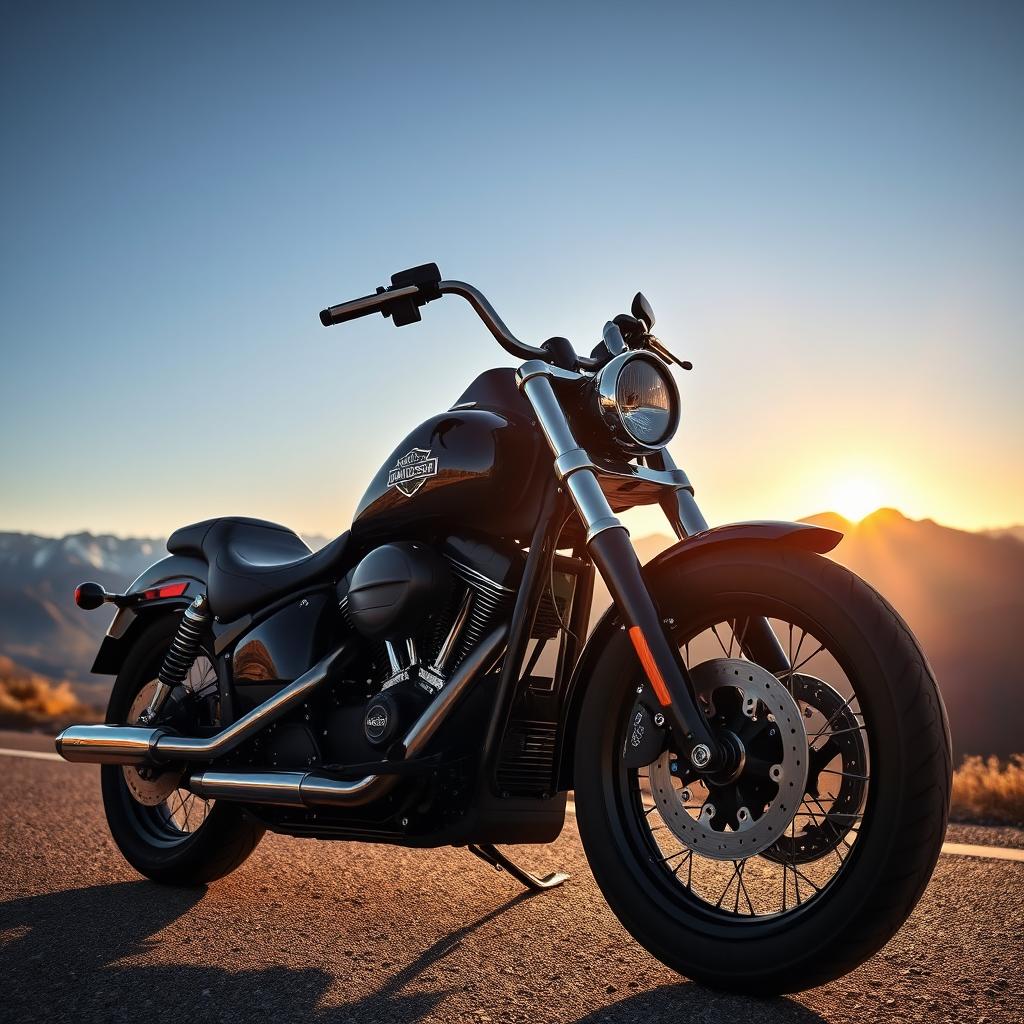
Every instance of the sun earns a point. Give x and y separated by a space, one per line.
855 497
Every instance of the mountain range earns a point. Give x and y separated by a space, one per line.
962 593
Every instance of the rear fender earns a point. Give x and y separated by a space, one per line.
793 536
128 622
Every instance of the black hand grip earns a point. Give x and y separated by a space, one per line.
368 304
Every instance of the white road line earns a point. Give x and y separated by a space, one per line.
955 849
996 852
39 755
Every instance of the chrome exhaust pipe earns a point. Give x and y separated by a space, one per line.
131 745
289 789
108 744
312 789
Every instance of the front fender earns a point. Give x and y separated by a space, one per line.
128 622
794 536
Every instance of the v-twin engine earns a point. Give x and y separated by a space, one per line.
422 610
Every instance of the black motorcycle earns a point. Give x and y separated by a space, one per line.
758 750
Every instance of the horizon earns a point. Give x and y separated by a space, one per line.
627 517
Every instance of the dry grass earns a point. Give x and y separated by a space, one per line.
988 790
31 701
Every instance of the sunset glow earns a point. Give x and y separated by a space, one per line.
855 497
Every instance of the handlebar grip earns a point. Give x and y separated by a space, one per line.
366 305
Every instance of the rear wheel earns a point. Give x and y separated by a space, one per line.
810 855
164 831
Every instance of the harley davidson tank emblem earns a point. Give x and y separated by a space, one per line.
412 471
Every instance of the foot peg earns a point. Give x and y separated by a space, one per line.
498 860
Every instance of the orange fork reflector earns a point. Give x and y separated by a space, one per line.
643 652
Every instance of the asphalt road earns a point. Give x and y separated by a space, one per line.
330 932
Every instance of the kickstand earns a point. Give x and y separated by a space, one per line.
498 860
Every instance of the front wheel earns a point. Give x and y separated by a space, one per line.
810 855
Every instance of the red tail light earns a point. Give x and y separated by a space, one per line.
170 590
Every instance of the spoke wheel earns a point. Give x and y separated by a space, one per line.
772 838
164 831
171 812
860 844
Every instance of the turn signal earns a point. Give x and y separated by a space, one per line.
90 595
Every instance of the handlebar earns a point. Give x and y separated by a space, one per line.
483 309
413 288
355 308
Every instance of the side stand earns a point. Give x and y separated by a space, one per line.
498 860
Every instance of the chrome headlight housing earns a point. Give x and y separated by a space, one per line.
638 402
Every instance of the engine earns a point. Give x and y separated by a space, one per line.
421 610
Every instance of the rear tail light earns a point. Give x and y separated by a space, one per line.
170 590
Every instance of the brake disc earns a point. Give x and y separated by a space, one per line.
749 810
148 785
828 826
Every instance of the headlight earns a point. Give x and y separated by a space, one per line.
639 402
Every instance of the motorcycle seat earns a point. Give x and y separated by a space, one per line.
253 562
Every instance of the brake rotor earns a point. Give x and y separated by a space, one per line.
746 812
148 785
827 828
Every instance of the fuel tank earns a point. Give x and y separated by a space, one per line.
478 468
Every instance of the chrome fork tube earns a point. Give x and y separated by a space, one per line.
612 553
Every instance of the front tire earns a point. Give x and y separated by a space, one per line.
151 838
891 844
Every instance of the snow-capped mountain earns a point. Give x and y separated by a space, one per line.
40 626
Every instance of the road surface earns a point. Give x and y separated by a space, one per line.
328 932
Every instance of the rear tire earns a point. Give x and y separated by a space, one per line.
904 819
226 836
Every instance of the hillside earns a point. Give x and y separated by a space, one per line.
40 627
962 593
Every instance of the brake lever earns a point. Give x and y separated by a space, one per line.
656 346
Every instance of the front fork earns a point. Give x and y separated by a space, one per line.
759 642
612 552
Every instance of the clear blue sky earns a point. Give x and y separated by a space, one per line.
825 203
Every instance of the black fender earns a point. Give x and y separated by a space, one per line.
130 621
794 536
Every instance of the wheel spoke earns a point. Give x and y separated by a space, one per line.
742 636
845 775
831 718
817 651
714 629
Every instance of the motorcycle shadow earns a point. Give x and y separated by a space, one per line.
75 955
688 1001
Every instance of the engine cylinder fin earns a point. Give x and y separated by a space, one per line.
490 601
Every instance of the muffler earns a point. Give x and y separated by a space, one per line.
132 745
314 789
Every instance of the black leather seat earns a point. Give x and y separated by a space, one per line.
253 562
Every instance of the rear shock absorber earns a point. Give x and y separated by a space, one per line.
181 655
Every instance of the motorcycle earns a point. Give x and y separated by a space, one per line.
757 747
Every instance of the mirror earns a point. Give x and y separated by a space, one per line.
642 309
613 340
